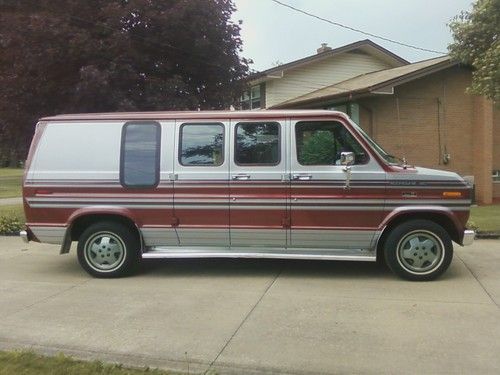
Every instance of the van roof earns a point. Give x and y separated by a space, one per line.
184 115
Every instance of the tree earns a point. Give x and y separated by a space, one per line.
61 56
476 42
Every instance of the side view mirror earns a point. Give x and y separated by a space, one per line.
347 158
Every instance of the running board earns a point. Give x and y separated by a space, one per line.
158 252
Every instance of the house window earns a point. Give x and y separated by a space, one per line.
495 175
350 109
251 98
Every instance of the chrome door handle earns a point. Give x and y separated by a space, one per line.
302 177
241 176
347 171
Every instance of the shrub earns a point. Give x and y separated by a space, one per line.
472 225
10 225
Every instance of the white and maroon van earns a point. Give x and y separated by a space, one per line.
259 184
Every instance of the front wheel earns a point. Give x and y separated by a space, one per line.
108 249
418 250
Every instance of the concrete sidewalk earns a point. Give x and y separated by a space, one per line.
256 316
9 201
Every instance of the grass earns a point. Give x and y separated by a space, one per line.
10 182
29 363
486 218
13 210
11 220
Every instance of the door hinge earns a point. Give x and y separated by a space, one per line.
175 221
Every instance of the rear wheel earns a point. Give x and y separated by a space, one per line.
418 250
108 249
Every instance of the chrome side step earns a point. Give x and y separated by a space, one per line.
266 253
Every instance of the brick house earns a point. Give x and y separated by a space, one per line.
419 111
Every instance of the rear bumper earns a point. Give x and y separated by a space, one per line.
24 236
469 236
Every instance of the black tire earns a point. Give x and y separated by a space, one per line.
418 250
115 257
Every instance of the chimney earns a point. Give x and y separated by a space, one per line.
324 47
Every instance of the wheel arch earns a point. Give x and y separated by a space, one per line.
82 219
442 217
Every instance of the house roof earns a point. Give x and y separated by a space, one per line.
366 46
370 83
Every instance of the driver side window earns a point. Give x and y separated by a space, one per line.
322 142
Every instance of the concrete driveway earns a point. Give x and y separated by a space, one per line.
256 316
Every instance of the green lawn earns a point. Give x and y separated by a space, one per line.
486 218
11 220
13 210
10 182
29 363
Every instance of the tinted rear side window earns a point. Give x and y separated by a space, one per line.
140 155
201 145
257 143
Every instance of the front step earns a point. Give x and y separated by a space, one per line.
267 253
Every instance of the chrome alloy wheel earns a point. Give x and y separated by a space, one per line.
420 252
104 251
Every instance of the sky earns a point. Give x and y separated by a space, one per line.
272 33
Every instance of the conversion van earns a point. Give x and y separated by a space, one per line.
302 184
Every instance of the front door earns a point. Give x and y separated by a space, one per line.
201 183
327 211
259 185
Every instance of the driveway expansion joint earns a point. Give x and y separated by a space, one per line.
48 298
479 282
245 318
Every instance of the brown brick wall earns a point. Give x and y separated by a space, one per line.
496 137
434 114
496 148
483 149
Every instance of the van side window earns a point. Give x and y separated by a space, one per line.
257 143
201 144
140 154
321 143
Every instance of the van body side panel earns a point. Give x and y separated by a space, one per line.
77 165
160 230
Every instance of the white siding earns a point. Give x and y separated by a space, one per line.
316 75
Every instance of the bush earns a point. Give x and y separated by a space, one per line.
10 225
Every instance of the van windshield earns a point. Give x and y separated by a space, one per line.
386 156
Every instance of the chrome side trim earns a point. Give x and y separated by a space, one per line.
332 239
267 253
469 236
258 237
203 237
24 236
159 236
